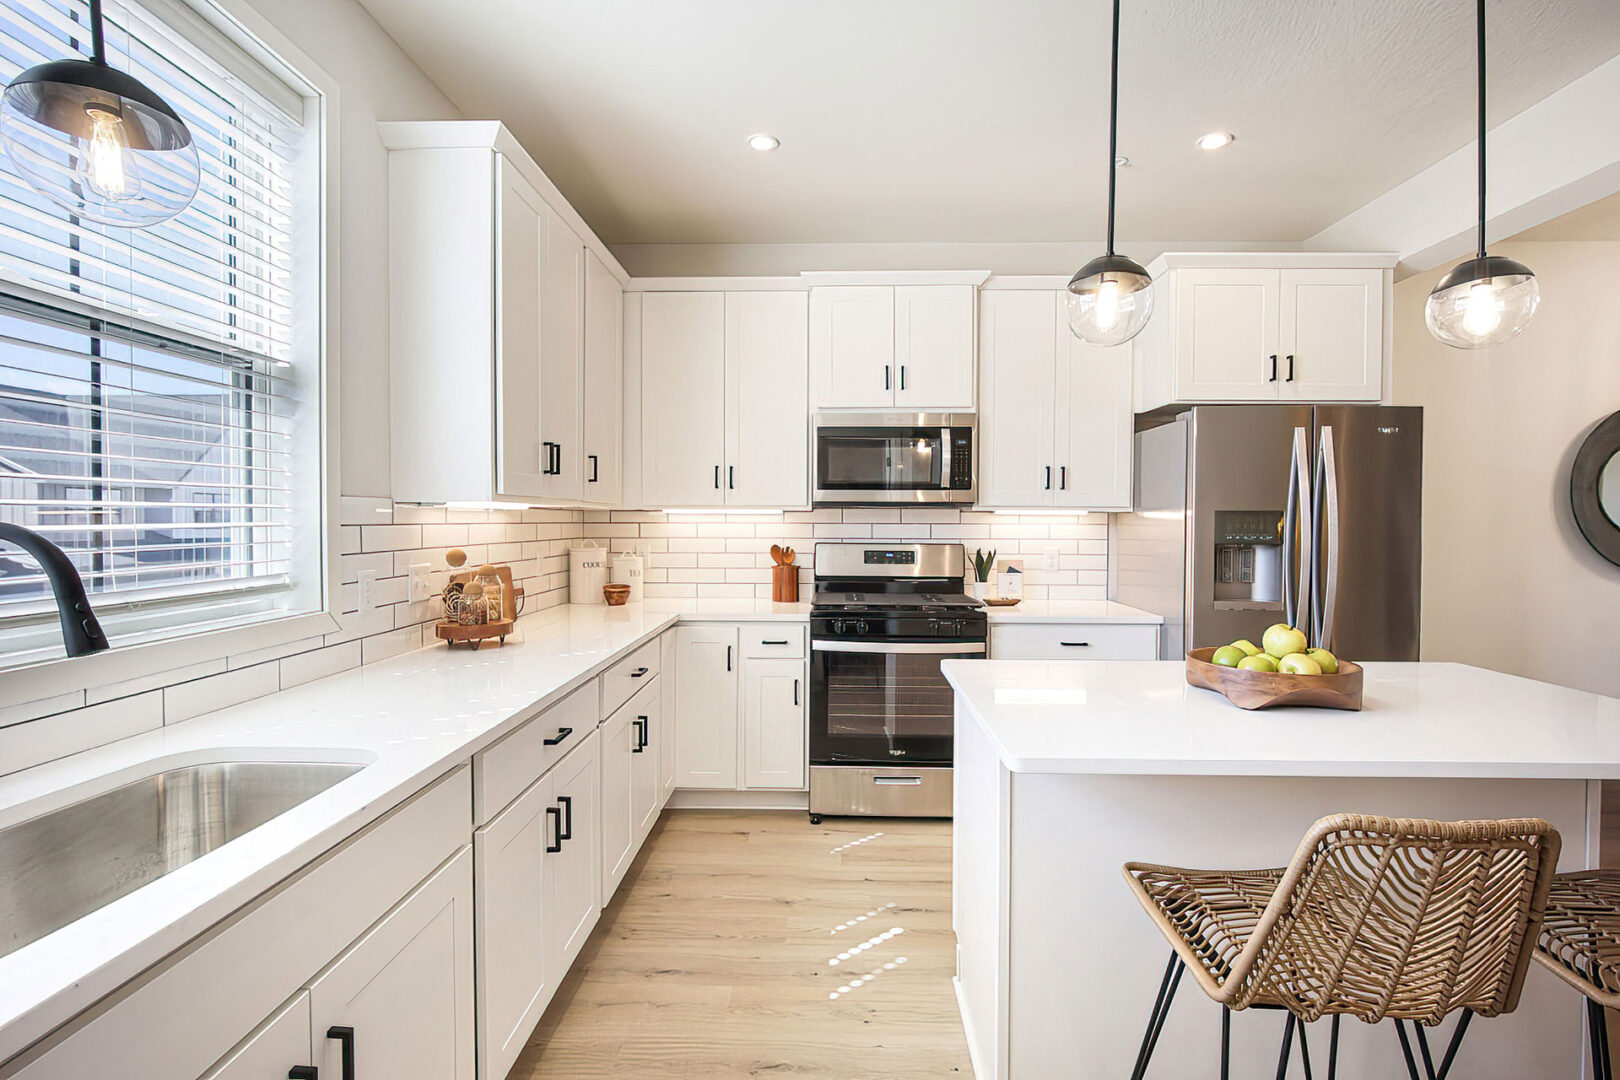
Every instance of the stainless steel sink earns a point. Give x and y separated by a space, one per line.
63 865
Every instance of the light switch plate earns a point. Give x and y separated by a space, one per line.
1054 555
368 590
421 584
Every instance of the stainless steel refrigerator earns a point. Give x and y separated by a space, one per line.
1247 515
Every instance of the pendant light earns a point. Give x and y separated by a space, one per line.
1488 299
97 141
1111 297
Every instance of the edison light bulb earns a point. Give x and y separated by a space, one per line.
1107 305
105 164
1480 313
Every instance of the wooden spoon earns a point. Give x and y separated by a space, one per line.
787 556
776 553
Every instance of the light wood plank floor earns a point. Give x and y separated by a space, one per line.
715 958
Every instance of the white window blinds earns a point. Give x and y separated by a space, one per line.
145 375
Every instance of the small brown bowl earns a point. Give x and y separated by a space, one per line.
1264 689
616 595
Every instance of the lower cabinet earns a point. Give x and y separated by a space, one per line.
630 792
740 718
398 1004
1074 641
573 875
279 1045
667 764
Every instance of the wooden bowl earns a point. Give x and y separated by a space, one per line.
616 595
1264 689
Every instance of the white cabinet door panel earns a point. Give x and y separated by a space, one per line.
1018 356
602 439
706 691
405 988
620 739
852 346
573 875
933 347
683 398
1095 432
561 301
667 765
774 724
767 399
1332 335
514 984
1226 334
278 1044
520 236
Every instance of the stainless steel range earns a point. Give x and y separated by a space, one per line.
881 715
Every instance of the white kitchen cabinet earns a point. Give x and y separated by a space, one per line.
668 765
774 752
892 347
494 358
1074 641
398 1003
646 798
514 981
1258 328
277 1046
1056 425
706 692
573 874
624 807
602 432
725 420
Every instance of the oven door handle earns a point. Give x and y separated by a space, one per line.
941 648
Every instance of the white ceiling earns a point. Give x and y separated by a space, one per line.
979 121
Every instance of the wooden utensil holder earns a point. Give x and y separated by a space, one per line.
785 584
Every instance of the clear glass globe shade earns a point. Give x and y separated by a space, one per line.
1476 306
1109 307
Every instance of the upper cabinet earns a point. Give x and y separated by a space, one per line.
724 410
1055 421
892 347
506 323
1256 328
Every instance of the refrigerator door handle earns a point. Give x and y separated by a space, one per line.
1290 524
1327 480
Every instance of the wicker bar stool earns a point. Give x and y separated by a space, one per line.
1375 917
1580 943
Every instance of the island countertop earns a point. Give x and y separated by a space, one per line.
1418 720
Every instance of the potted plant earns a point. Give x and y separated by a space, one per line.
983 563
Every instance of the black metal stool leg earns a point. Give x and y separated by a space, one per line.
1287 1044
1304 1050
1406 1051
1456 1041
1333 1046
1226 1043
1597 1033
1161 1008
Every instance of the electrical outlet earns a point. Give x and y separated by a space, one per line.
368 590
1054 555
421 583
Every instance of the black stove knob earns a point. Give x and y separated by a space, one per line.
838 626
861 627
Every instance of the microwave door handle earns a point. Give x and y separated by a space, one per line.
1289 529
1328 480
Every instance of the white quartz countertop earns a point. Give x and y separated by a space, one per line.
726 610
409 720
1418 720
1072 611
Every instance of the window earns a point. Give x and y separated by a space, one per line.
148 378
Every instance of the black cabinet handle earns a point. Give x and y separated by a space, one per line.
782 642
1273 368
639 672
1075 644
556 450
885 376
728 657
1063 478
562 733
717 478
555 814
1290 368
303 1072
1049 478
345 1038
902 376
731 476
594 466
795 691
640 726
567 830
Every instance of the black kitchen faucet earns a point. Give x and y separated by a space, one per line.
81 632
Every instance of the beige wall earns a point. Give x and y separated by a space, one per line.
1508 582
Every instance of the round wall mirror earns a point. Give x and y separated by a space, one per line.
1594 488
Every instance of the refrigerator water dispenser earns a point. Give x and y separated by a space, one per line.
1248 558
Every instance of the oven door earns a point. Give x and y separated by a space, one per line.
883 702
872 459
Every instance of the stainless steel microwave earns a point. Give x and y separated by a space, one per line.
920 458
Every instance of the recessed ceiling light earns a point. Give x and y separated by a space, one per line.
764 142
1214 140
1122 161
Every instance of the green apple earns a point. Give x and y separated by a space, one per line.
1249 648
1281 639
1298 664
1228 656
1258 662
1328 662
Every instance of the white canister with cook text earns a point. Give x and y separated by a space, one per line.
587 573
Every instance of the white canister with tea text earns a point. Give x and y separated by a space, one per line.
627 570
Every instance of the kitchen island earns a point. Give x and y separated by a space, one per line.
1067 770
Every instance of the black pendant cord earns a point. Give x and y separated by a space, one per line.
98 44
1113 126
1480 28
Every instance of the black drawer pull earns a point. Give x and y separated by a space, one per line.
782 642
556 814
345 1038
1075 644
567 830
562 733
639 672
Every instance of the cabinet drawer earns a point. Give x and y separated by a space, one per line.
785 640
621 681
505 769
1075 641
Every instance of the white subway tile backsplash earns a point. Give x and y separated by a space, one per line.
306 667
382 646
153 681
199 696
390 537
22 746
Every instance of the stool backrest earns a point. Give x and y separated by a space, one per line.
1402 918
